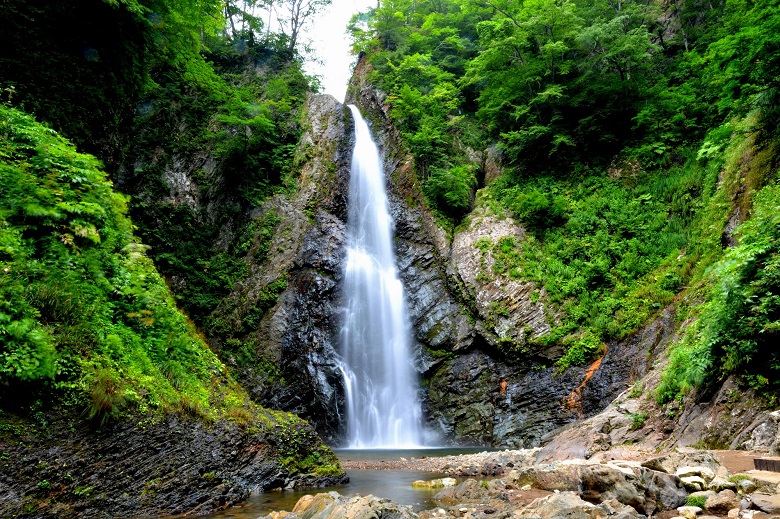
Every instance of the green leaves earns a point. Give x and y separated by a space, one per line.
81 306
452 190
28 351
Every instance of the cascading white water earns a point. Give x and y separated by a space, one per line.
381 386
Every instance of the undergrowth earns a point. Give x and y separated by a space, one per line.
82 309
736 328
609 248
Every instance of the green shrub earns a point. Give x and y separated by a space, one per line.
739 325
636 390
81 305
580 350
638 420
106 396
451 190
699 501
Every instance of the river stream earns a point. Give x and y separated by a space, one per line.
391 484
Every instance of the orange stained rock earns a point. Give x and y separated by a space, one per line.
574 401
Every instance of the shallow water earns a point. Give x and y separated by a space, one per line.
391 484
394 454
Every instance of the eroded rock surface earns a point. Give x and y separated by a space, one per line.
295 362
147 468
335 506
510 310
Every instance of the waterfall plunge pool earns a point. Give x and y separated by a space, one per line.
391 484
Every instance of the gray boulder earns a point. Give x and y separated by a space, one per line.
572 506
335 506
769 503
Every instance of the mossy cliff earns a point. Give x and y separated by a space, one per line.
495 343
98 363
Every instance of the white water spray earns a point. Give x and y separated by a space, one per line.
381 386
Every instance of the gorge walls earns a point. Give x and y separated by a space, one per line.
482 381
485 379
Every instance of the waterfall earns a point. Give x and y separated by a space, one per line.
381 385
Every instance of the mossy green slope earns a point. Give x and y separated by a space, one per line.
87 325
84 309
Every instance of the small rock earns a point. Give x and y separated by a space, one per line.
693 483
703 472
526 487
661 464
435 483
718 484
734 513
689 512
746 486
723 502
767 503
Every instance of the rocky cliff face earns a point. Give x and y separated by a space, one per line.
467 318
484 381
293 364
148 466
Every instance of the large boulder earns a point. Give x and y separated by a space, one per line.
666 490
629 483
572 506
721 503
672 462
769 503
332 505
473 491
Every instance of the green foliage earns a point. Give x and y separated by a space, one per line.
300 451
558 85
451 190
739 324
535 208
82 307
606 251
106 396
580 350
638 420
244 121
636 390
699 501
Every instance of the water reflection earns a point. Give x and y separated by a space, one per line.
391 484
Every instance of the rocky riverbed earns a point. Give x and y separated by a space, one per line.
687 484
